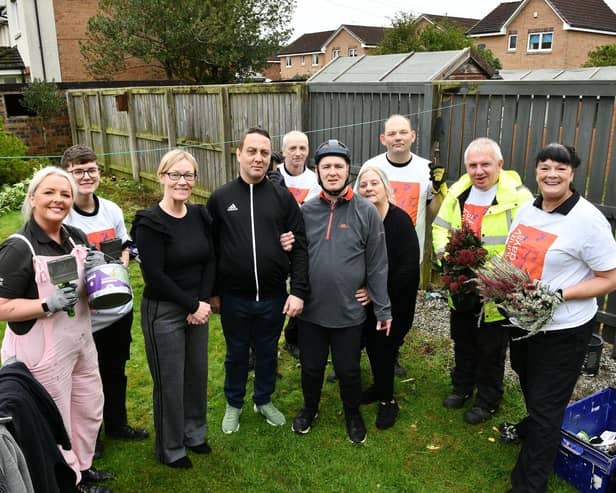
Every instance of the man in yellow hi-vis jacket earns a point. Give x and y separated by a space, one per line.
487 198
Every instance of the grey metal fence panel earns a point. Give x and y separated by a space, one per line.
536 131
583 142
533 114
507 131
554 119
378 101
599 170
455 159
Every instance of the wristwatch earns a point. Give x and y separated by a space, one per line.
46 309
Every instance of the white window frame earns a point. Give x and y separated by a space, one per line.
353 52
512 37
335 53
303 59
315 59
288 61
541 36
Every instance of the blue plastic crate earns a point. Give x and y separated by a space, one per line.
579 463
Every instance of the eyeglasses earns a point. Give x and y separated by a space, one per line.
175 176
92 172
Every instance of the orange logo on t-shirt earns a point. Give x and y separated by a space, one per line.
299 194
95 237
527 248
473 216
407 197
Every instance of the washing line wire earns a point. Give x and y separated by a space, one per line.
197 146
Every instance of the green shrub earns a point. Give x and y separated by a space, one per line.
13 170
13 195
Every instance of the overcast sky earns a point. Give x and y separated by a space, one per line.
324 15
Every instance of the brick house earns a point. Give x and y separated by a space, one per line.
47 35
312 51
425 20
532 34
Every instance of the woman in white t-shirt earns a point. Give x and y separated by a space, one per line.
566 242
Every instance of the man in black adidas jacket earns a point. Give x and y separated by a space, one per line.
249 214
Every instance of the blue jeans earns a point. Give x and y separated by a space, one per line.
245 321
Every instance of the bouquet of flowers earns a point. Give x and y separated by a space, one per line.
463 253
528 304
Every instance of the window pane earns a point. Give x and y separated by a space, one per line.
547 41
533 41
513 41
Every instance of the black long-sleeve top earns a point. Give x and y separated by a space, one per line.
402 258
248 221
177 255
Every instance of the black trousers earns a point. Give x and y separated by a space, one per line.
480 353
403 313
382 351
113 346
315 342
548 365
290 331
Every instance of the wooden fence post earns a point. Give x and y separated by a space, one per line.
132 136
70 106
103 129
170 117
228 163
87 123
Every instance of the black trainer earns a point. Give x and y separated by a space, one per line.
92 488
455 401
202 448
303 421
93 475
476 415
127 432
355 427
387 414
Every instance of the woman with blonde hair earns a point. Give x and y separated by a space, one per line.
177 261
49 325
402 284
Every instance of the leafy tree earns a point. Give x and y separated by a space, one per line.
44 100
405 36
199 41
601 56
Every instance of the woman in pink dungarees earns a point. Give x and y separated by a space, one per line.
57 348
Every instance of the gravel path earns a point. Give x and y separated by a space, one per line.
432 317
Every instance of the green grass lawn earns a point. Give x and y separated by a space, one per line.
429 450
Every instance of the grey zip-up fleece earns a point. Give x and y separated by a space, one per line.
346 250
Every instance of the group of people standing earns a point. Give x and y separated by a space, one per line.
341 262
560 239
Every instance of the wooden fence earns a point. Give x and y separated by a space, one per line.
132 128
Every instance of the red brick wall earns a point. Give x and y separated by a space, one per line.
570 48
71 22
29 130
